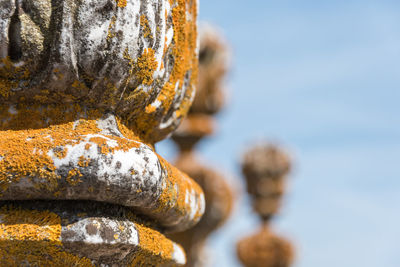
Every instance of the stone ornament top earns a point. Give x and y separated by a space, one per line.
137 58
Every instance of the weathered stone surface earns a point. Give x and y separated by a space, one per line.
102 165
137 58
87 233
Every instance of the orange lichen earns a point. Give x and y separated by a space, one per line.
111 28
155 248
121 3
83 162
143 70
145 67
60 152
185 63
26 144
33 237
73 177
144 22
11 76
175 190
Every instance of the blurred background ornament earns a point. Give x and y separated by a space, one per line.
265 168
214 58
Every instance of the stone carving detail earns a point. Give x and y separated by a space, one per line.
135 58
86 89
265 168
213 64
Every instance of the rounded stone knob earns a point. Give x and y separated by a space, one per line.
136 58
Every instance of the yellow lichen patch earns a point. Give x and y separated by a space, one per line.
121 3
18 224
144 67
155 248
11 76
184 51
176 188
144 22
25 151
111 28
73 177
60 152
83 162
29 237
128 133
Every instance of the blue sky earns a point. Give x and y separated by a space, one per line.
323 79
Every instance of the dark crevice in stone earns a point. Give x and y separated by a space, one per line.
14 35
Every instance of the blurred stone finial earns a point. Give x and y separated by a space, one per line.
213 64
264 249
265 168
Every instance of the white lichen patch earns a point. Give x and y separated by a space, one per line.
89 230
138 168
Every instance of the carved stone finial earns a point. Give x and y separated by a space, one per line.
199 124
86 89
265 168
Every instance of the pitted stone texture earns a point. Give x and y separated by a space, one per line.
102 166
135 57
105 234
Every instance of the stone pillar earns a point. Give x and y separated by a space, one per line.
213 64
86 90
265 168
